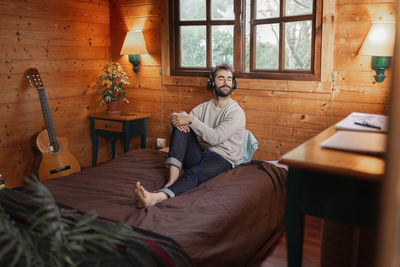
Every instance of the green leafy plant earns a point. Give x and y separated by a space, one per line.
34 231
113 79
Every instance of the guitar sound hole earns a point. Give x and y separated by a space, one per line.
54 147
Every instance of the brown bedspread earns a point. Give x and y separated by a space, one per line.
230 220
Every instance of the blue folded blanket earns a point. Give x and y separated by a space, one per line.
250 145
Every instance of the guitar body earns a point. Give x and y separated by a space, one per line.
55 164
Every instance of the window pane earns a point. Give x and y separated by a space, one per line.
193 46
299 7
298 45
192 9
222 44
267 9
267 46
222 10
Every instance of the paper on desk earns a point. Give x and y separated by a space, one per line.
374 119
364 142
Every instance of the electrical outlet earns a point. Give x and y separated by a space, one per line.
161 142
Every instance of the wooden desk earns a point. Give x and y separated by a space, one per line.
111 126
329 184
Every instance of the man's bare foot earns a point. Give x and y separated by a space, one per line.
145 198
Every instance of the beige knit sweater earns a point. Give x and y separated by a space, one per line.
221 129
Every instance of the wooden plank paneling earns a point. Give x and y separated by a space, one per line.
60 9
31 38
362 78
131 11
117 3
373 11
42 25
137 23
349 62
17 65
68 42
360 94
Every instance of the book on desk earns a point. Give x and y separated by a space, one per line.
359 132
364 122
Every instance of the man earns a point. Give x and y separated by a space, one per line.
220 126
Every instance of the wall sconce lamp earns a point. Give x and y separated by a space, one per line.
133 46
379 44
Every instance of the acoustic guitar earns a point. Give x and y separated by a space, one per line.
57 160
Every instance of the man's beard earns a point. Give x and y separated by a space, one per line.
219 92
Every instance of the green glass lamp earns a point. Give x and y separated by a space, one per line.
134 45
379 44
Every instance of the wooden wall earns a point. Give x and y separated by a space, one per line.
69 42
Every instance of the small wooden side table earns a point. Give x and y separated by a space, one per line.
112 126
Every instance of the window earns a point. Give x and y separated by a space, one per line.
269 39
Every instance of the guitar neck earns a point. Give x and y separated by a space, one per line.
47 117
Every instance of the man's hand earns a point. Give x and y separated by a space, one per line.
181 119
183 128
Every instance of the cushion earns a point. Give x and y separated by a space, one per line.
250 145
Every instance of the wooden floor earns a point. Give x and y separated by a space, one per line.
277 257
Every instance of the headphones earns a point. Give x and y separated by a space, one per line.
211 81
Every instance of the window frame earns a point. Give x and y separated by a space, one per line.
239 42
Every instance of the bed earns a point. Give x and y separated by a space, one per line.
230 220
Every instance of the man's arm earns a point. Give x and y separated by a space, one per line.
235 120
180 121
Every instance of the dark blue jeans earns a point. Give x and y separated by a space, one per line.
199 166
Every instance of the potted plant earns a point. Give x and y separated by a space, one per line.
113 79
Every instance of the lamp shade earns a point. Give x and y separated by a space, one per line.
134 44
379 41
